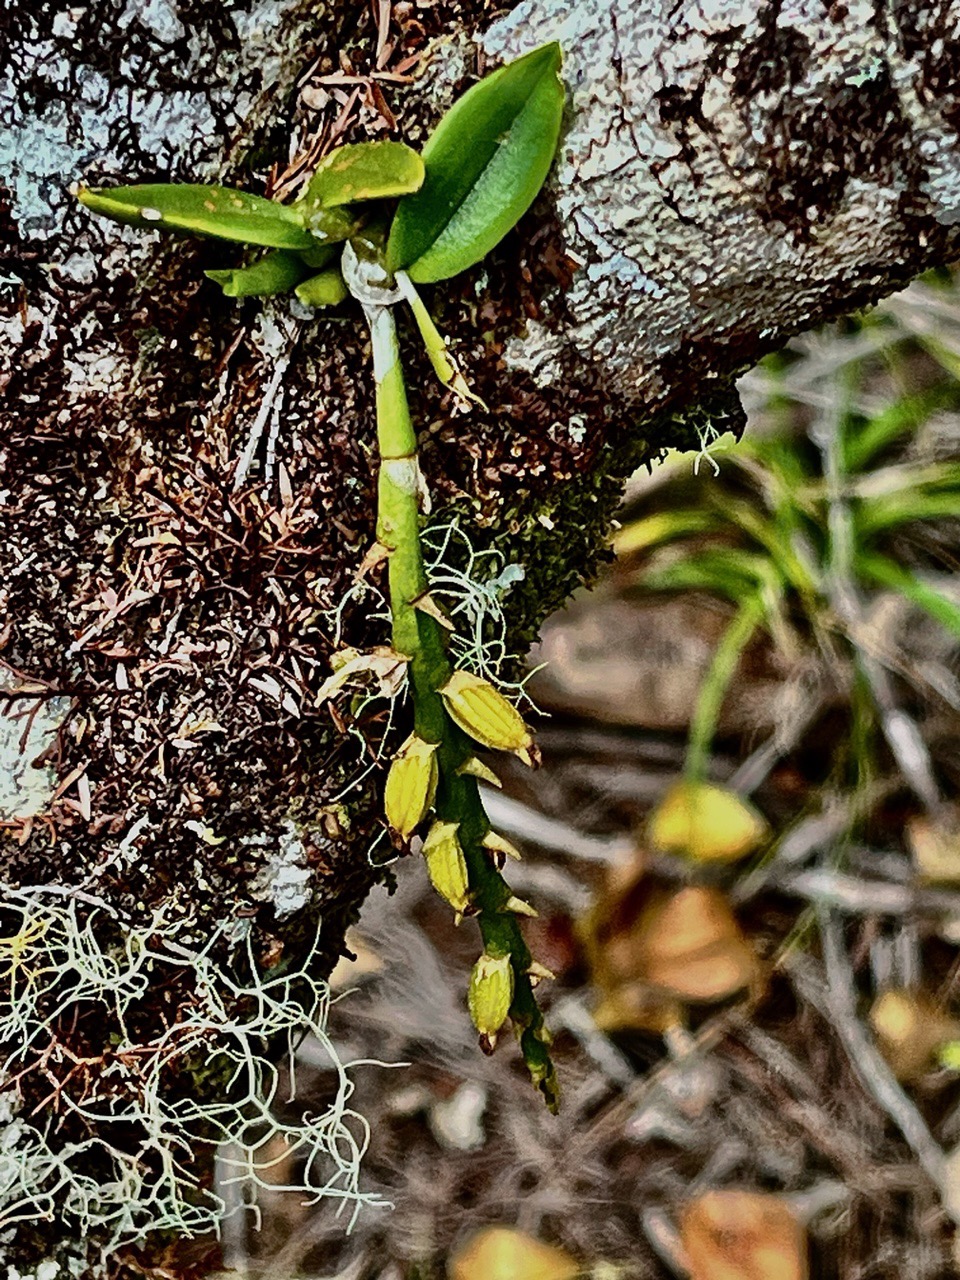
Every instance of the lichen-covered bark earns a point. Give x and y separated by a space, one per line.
734 173
731 173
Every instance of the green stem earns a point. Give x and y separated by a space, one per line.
420 638
716 682
444 365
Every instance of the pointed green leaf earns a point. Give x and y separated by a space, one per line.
485 163
363 171
323 290
277 272
713 690
222 212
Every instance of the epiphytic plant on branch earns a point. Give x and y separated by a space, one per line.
479 172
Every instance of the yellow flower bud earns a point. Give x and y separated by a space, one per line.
411 785
490 996
485 714
446 865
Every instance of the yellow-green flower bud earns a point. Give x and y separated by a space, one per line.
490 996
446 865
411 785
485 714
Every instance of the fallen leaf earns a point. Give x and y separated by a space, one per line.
692 945
910 1030
935 847
706 823
501 1253
742 1235
650 950
387 667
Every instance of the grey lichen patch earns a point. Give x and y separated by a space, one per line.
30 720
285 881
106 88
732 173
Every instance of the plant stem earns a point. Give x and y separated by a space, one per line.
419 637
714 688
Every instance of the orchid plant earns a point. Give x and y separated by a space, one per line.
479 172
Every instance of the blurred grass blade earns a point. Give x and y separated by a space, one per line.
714 688
485 163
363 171
899 479
887 573
877 514
780 552
664 526
904 417
221 212
277 272
724 571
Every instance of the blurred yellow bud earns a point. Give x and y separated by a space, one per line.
501 1253
706 823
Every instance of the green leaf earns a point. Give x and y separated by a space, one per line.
277 272
878 514
713 690
904 416
319 256
363 171
485 163
222 212
323 290
663 526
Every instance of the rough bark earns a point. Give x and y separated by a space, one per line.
734 173
730 174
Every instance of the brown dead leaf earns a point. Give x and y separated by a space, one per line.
375 555
502 1253
650 950
692 945
742 1235
387 668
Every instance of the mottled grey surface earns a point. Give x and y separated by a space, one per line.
734 172
121 87
28 728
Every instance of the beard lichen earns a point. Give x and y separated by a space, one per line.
134 1051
